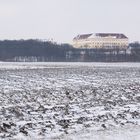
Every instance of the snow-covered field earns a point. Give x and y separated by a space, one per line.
70 101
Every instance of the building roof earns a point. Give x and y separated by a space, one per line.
83 36
86 36
116 35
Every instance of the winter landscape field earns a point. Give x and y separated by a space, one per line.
69 101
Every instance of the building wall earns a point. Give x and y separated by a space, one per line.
101 42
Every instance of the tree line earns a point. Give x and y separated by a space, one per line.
9 49
38 50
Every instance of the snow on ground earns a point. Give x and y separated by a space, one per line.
70 101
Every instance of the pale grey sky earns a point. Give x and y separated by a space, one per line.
64 19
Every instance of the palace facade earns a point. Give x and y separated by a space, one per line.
101 40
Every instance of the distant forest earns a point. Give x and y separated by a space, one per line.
43 51
27 50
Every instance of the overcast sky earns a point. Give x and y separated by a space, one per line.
64 19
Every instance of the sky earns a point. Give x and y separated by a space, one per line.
62 20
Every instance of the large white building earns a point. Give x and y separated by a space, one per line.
101 40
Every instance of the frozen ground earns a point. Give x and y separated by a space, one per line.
71 101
